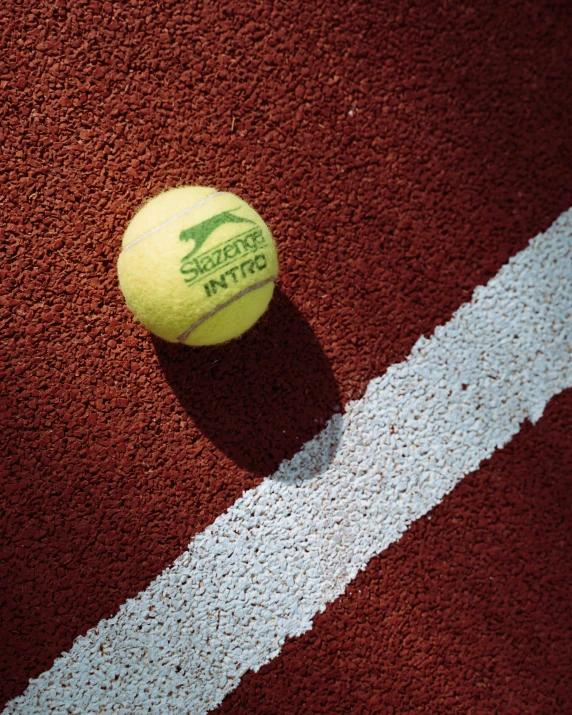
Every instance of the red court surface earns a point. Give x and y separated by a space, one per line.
400 153
469 612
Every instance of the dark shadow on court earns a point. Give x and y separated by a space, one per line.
259 398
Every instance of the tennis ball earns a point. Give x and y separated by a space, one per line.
197 266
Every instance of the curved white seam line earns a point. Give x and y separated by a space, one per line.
173 218
183 336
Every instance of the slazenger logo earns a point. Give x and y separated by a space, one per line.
198 267
201 231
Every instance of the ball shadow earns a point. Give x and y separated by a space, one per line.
262 397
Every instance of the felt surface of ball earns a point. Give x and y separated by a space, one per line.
197 266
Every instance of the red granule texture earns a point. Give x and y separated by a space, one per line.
468 613
400 154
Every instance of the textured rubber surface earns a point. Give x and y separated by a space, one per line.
399 157
267 566
469 612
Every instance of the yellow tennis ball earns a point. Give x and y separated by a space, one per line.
197 266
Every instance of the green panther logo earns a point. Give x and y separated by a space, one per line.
201 231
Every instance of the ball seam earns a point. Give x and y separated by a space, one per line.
183 336
170 220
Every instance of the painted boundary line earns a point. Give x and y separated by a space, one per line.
284 550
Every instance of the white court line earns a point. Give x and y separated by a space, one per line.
284 550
